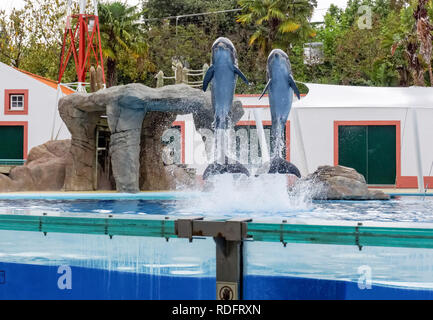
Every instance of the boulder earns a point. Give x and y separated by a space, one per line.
343 183
43 171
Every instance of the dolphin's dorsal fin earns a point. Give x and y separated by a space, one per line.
294 87
240 74
266 89
208 77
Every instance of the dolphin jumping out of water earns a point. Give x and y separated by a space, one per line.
281 86
223 73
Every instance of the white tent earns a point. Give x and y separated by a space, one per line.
333 96
337 102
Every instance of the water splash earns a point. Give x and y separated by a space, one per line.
265 195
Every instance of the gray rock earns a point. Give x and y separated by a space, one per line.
81 118
343 183
137 117
44 169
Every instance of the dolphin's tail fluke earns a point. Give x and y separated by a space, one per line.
227 167
282 166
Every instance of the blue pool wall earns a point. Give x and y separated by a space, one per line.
36 282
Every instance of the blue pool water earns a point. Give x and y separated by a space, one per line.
153 268
404 209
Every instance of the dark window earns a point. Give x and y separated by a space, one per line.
16 102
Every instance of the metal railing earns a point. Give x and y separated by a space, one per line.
12 162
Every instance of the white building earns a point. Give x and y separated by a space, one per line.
29 116
384 133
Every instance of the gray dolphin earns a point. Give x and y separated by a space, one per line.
223 73
281 86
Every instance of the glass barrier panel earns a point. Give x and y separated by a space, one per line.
89 266
327 271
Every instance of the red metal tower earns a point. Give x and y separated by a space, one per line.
83 41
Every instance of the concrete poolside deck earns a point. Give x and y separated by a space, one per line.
405 192
143 195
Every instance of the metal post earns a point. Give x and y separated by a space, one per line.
228 236
82 50
262 137
417 151
229 269
300 140
95 177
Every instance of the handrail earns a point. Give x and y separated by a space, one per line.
12 162
181 75
410 235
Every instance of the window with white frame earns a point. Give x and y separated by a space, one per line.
16 102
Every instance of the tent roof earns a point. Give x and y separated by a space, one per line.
331 96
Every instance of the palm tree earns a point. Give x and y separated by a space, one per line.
423 32
277 22
120 32
416 39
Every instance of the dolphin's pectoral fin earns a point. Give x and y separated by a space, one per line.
266 89
240 74
208 77
294 87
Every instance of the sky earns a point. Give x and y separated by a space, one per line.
322 6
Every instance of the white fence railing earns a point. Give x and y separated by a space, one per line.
193 78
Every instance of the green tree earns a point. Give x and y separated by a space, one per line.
362 56
410 38
277 23
47 22
13 36
31 38
121 35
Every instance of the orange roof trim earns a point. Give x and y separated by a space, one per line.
48 82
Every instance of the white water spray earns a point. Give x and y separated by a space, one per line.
265 195
220 145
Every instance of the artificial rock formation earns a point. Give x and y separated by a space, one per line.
343 183
43 171
137 117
